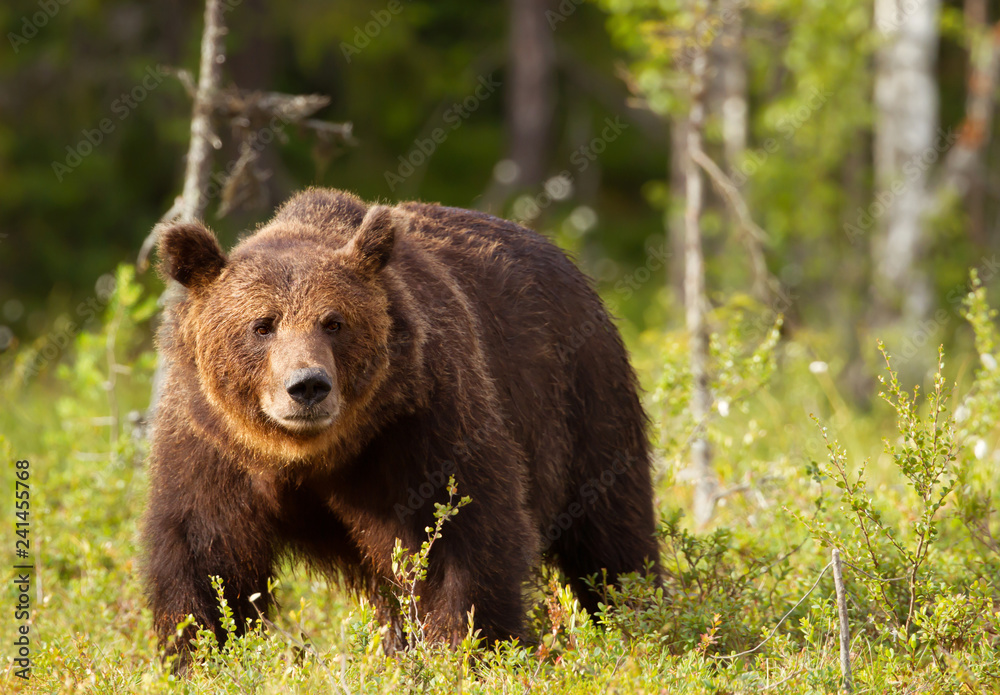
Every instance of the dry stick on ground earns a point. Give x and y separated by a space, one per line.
845 629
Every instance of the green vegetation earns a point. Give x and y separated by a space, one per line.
914 523
819 438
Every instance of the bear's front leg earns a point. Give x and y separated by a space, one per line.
469 569
477 567
438 609
478 570
204 519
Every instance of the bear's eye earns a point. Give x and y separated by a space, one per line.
263 327
332 322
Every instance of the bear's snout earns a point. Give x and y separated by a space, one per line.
309 386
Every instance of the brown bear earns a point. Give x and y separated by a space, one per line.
326 378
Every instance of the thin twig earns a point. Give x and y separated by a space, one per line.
783 680
731 192
753 235
872 576
783 618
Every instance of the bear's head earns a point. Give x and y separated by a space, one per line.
289 333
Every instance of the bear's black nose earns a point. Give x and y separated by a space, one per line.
308 386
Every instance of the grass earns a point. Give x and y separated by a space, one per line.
916 529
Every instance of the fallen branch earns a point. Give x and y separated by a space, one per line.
189 206
248 113
753 235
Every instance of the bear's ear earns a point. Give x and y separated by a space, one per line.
372 245
190 254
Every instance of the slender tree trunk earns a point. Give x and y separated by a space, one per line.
729 55
531 96
675 206
203 137
530 100
906 106
962 174
733 76
694 295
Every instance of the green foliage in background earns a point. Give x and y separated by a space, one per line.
906 486
63 231
806 173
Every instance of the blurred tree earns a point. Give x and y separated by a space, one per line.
906 122
396 74
530 96
696 67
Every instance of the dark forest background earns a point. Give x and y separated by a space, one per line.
806 74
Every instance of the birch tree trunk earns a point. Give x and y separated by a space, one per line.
906 109
675 210
203 137
694 294
733 76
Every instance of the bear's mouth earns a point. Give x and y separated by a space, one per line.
304 422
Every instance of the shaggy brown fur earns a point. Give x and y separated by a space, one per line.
450 342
